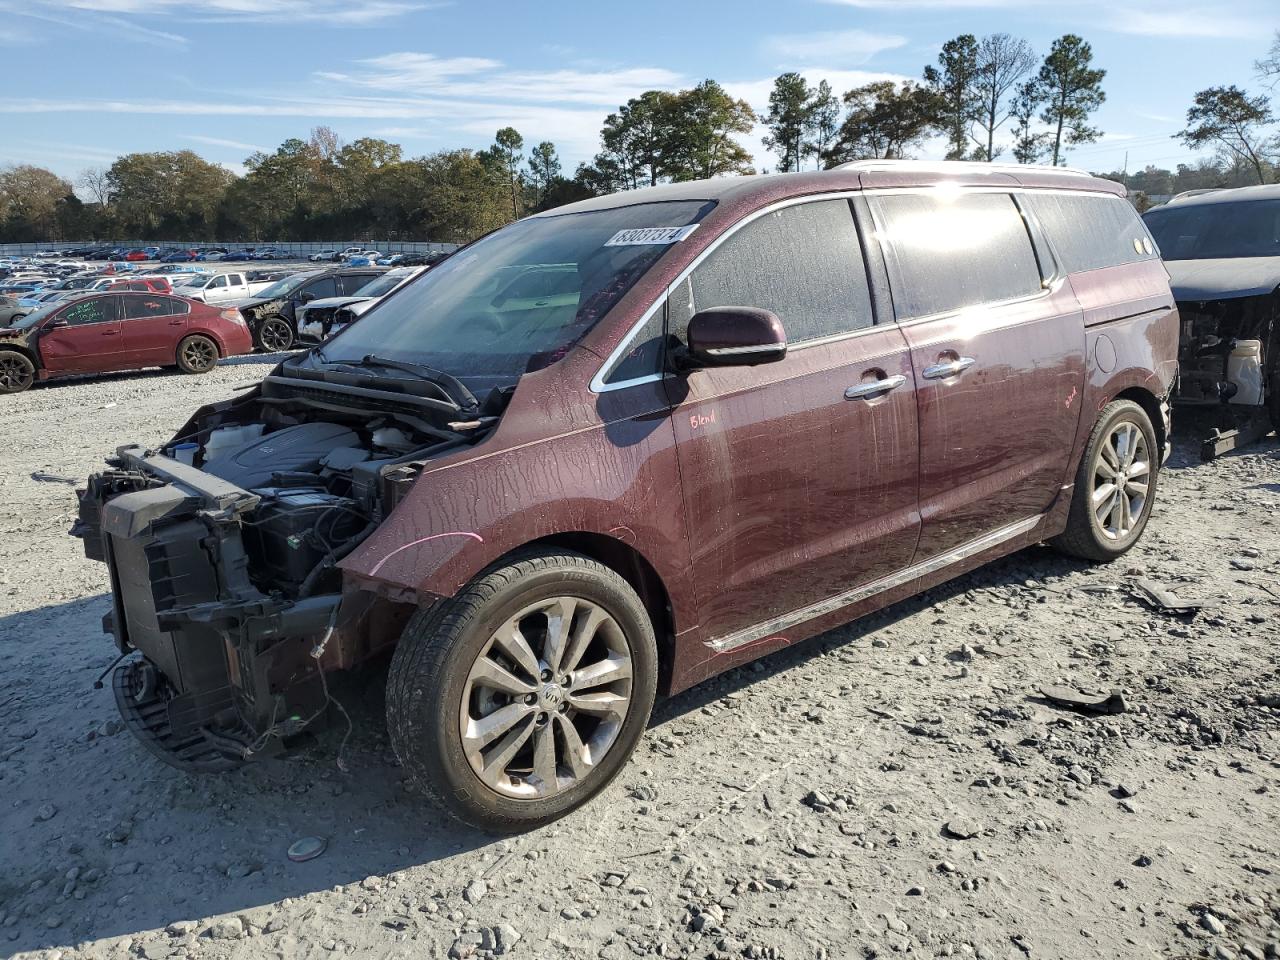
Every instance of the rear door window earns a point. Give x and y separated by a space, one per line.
949 252
1089 232
139 307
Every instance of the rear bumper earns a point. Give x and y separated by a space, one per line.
232 666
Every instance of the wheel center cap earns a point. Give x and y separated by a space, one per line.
551 695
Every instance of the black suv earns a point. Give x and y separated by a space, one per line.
272 314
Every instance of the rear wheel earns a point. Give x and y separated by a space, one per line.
1115 485
521 698
197 354
275 335
17 372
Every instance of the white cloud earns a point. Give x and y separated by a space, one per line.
1165 22
220 142
333 12
929 4
832 46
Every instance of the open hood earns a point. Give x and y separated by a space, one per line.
1193 280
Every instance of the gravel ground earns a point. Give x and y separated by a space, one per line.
893 788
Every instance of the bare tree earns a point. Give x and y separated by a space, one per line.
1002 63
1269 66
94 181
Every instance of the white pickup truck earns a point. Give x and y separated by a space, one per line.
218 287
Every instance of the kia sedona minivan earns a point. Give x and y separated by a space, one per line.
742 412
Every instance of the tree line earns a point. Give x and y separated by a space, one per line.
982 96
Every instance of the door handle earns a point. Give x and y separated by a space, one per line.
861 391
941 371
111 333
176 323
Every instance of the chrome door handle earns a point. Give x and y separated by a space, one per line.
941 371
872 387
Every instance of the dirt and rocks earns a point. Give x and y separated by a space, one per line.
895 788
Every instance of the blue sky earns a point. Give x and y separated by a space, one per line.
88 80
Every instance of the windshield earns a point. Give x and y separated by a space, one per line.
1212 231
519 298
383 284
194 280
282 288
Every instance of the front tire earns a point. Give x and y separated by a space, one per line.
197 354
275 335
17 372
1115 485
518 700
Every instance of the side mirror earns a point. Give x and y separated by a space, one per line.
57 323
734 337
307 297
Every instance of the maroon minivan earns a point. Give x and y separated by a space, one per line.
118 330
731 414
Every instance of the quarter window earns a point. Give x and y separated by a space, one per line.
948 252
1089 232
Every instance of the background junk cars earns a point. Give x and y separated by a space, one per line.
733 414
103 332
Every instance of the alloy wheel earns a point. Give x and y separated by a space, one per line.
1121 481
546 698
15 373
276 336
199 354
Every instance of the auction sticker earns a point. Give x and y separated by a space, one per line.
645 236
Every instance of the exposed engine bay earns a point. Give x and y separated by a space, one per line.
1229 357
223 548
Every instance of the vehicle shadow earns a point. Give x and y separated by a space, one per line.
244 360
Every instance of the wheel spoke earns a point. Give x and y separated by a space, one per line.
612 668
1110 456
513 643
1126 518
1103 492
495 764
482 732
544 759
1139 468
584 632
497 677
602 702
575 751
559 623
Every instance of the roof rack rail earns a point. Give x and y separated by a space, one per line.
960 166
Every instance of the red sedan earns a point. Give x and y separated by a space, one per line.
104 332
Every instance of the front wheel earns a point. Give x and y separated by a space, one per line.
275 335
17 372
521 698
197 354
1115 485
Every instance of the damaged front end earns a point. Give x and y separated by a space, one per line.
1229 359
223 545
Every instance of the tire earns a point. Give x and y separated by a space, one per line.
274 335
439 688
17 372
197 354
1123 438
15 318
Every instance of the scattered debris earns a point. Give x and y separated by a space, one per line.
308 848
1112 702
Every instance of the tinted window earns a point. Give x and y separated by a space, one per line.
322 288
948 252
1091 232
803 263
218 283
1210 231
97 310
140 307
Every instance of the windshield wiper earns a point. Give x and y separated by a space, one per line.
451 386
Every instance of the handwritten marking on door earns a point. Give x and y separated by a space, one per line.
697 420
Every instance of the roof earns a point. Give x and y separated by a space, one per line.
868 174
1269 191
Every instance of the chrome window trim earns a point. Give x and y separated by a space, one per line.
597 384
